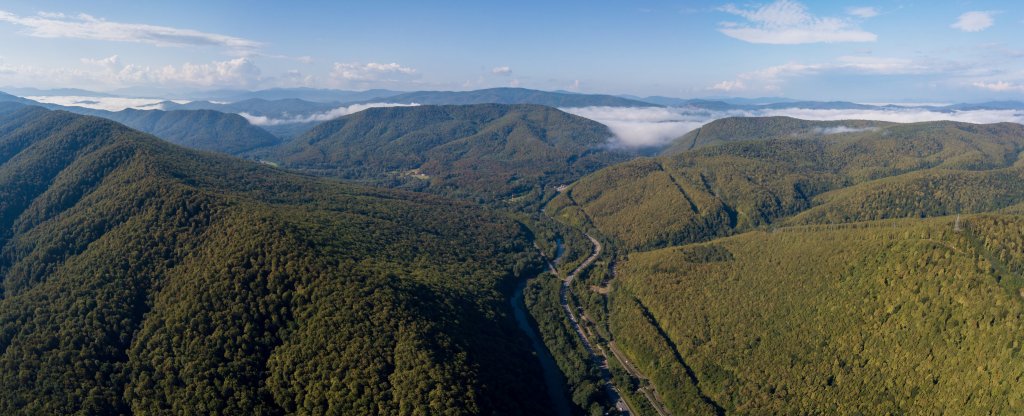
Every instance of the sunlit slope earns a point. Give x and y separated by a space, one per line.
896 171
897 317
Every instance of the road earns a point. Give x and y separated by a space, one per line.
599 358
648 390
599 355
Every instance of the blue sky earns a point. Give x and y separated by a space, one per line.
865 51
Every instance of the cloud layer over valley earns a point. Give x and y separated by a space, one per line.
318 117
654 126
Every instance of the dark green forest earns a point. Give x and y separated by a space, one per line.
486 153
140 277
759 266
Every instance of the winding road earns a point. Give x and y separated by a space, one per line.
598 357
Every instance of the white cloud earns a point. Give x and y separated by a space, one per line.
862 12
238 72
327 115
109 62
112 72
83 26
900 115
102 103
842 129
973 21
999 86
771 78
501 70
371 72
642 127
729 86
653 126
787 22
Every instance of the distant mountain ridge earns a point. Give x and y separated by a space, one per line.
514 96
198 129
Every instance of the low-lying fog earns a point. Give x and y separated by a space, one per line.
654 126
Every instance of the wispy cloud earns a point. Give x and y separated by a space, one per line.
999 86
327 115
371 72
84 26
771 78
862 12
501 70
842 129
728 86
239 72
974 21
787 22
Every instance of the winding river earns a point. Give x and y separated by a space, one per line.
553 377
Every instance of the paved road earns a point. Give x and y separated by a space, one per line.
598 357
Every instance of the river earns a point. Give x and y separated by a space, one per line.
553 377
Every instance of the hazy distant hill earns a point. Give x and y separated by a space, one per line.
306 94
138 277
197 129
278 108
513 96
26 92
8 98
487 151
201 129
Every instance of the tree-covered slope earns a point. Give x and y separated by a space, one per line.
140 277
891 317
732 129
486 152
892 171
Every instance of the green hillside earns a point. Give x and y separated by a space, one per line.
918 169
733 129
486 152
888 317
140 277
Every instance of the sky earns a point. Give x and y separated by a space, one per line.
864 51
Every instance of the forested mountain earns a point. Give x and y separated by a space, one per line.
141 277
733 129
513 96
894 170
891 317
486 152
